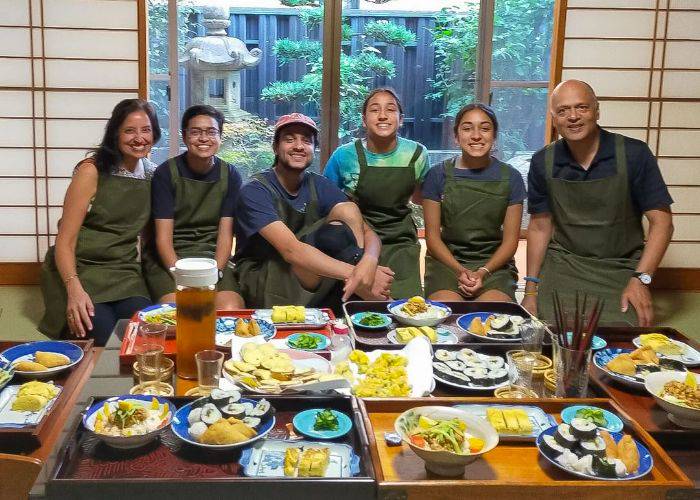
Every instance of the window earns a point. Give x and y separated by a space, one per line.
438 55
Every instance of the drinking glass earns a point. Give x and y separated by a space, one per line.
209 363
520 365
532 333
571 370
148 357
150 333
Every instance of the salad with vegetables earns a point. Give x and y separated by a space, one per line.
594 415
444 435
373 319
305 341
326 421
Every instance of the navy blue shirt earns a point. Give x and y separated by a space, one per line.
163 191
256 207
434 184
647 187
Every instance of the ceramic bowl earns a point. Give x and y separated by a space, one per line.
442 312
445 463
679 415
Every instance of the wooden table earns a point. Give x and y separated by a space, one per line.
22 464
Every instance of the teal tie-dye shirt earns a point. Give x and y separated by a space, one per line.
343 167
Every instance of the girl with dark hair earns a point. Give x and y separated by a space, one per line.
473 205
92 276
381 174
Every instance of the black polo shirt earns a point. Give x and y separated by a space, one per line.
647 186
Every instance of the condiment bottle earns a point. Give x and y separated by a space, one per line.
341 344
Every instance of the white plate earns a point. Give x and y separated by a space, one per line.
690 356
314 318
537 416
449 338
11 418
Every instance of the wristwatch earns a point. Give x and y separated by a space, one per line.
645 278
221 275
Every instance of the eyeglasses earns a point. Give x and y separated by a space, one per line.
209 132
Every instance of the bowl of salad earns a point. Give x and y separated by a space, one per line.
447 439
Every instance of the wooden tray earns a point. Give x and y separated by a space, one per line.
511 470
639 404
32 437
130 340
169 468
376 339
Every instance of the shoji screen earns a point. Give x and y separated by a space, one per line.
63 66
643 59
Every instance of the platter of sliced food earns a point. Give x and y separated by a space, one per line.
581 449
631 366
264 369
436 335
491 326
667 348
512 422
470 370
299 459
293 317
25 405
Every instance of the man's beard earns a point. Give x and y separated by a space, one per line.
285 166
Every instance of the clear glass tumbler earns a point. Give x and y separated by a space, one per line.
520 366
209 363
571 368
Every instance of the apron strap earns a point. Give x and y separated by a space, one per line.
174 177
450 168
549 160
620 157
416 155
260 177
361 157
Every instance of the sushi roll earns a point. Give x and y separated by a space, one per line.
197 429
594 447
494 362
500 322
583 429
194 416
262 410
477 362
461 378
475 372
445 355
222 398
585 465
442 370
248 407
235 410
467 355
210 414
567 459
551 447
251 421
500 376
564 436
456 365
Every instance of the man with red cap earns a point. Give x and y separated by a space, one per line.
299 240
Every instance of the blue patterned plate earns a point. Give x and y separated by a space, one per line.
180 427
604 356
226 325
25 352
358 317
646 462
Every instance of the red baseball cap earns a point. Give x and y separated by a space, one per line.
294 118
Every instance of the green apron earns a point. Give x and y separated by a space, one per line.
597 240
195 230
472 214
265 278
382 193
106 251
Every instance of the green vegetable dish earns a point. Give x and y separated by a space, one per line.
593 415
372 320
326 421
305 341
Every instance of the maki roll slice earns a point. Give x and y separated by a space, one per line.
564 437
584 429
252 421
445 355
197 429
262 410
500 322
499 376
235 410
456 365
478 375
595 447
210 414
467 355
443 371
609 467
551 447
221 398
461 378
194 416
495 362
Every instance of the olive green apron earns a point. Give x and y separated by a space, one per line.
471 214
382 193
597 239
195 230
106 251
264 277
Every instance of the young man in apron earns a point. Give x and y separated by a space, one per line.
299 241
587 193
381 174
194 200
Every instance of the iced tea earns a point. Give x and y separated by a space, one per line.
196 327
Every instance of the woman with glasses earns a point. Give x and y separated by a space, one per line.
193 202
92 276
473 205
381 174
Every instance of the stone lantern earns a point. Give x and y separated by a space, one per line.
215 62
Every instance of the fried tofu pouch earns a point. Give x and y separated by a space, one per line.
51 359
29 366
628 452
227 431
